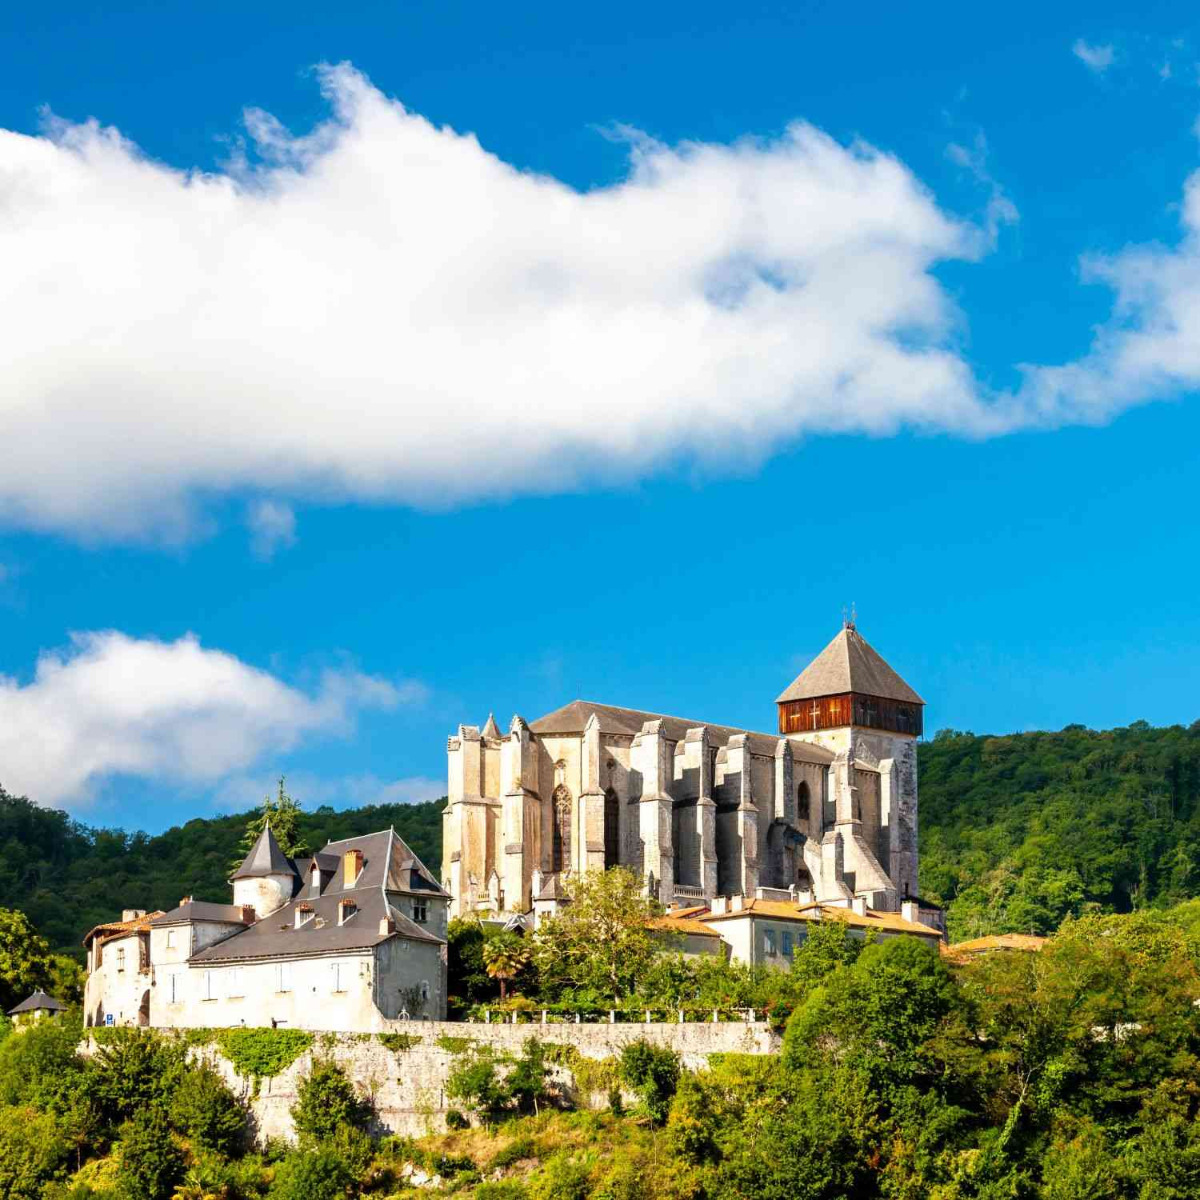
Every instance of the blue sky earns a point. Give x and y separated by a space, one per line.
324 463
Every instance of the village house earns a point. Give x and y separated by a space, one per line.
348 939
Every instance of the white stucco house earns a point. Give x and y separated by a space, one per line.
347 940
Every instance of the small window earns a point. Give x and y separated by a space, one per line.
173 988
210 990
420 911
787 945
770 940
283 977
235 983
120 961
170 939
337 971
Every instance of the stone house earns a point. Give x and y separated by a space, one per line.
36 1007
348 939
765 931
826 805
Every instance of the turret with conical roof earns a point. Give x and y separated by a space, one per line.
266 879
849 683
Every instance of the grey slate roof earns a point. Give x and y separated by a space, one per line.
388 865
573 717
265 858
201 910
38 1001
849 664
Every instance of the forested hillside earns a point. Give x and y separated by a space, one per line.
1019 831
68 877
1016 832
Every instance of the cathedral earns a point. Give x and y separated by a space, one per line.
822 811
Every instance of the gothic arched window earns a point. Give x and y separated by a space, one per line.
802 802
561 837
612 829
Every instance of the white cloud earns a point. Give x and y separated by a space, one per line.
172 711
1095 58
272 527
1148 350
1000 209
382 310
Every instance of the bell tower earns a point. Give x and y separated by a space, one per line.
850 701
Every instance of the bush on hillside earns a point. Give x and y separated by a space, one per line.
326 1102
150 1161
207 1112
653 1073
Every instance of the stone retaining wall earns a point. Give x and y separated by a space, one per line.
406 1086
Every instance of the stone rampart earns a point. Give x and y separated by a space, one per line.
407 1085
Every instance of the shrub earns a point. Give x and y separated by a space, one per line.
526 1082
41 1067
455 1120
516 1150
653 1073
474 1081
562 1178
32 1153
206 1111
316 1174
150 1161
501 1189
326 1102
134 1070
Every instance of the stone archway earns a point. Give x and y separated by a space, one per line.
143 1016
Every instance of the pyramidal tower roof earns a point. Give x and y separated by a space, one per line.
490 730
265 858
849 664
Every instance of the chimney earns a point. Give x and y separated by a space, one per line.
346 909
184 900
248 914
737 903
910 910
352 862
132 914
386 926
859 904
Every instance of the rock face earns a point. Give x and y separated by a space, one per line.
407 1087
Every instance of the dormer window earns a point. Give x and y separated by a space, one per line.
352 864
304 914
346 909
316 878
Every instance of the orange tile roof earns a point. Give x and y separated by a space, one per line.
683 923
111 929
784 910
995 941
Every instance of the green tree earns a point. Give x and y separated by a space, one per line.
150 1161
207 1112
326 1102
318 1173
600 942
25 963
284 815
32 1153
505 956
653 1072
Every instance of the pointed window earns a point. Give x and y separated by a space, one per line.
560 842
612 829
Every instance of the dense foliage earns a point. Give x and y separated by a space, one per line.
1069 1074
1018 832
68 877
